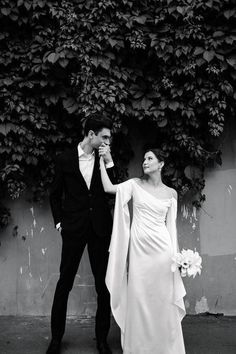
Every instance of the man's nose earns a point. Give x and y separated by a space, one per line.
106 143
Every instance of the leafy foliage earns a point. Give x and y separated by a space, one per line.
172 62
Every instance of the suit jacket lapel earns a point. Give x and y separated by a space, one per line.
95 169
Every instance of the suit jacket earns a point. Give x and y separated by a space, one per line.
73 204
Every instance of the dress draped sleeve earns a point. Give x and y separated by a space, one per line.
116 276
179 289
171 224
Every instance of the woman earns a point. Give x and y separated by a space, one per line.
146 297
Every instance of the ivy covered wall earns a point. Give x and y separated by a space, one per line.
171 62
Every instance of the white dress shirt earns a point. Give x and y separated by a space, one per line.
86 165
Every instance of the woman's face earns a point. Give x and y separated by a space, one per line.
151 163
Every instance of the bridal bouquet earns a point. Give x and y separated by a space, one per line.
188 262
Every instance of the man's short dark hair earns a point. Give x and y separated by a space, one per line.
96 123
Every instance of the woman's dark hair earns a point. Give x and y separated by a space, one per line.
96 123
160 155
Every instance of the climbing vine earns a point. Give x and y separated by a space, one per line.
171 62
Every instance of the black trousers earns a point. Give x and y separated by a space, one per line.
72 251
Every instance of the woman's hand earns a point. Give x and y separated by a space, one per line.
105 151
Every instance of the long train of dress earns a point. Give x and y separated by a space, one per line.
146 297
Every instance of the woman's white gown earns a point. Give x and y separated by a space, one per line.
146 296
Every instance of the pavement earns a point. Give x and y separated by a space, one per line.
203 334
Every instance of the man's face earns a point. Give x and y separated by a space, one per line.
102 137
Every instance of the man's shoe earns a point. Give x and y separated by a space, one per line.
54 347
103 348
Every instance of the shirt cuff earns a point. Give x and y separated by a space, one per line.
58 226
110 164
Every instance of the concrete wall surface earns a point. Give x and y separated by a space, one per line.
30 246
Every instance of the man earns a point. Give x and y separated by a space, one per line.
82 216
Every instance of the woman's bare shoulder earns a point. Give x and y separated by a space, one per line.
136 179
171 192
129 181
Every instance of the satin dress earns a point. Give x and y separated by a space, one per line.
146 296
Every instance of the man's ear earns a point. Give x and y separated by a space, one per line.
91 134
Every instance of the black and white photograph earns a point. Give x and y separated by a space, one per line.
117 177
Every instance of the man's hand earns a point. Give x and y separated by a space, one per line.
105 152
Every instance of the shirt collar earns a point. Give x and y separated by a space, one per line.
81 151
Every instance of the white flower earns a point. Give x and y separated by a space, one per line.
188 262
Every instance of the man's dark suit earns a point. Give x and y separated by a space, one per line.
85 219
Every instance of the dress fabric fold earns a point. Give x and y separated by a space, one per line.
146 296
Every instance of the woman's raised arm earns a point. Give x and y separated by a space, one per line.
107 185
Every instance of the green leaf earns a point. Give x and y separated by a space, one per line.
53 57
141 19
112 42
41 3
232 61
146 103
220 57
64 62
198 50
136 91
229 13
5 11
70 105
27 5
6 128
181 10
218 34
8 81
53 98
192 172
173 105
162 123
208 55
